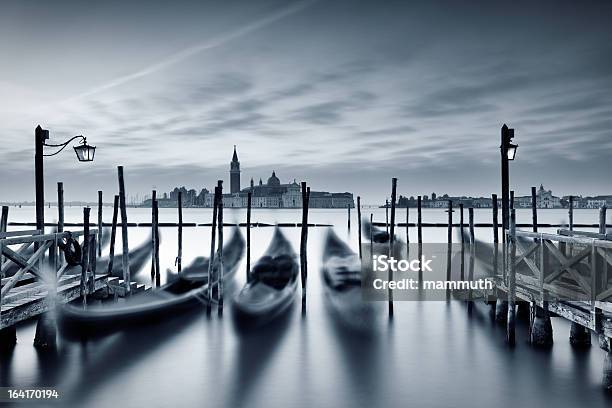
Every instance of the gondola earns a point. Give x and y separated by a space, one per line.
341 269
151 306
272 286
377 235
197 270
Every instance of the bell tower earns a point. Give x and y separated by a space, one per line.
235 173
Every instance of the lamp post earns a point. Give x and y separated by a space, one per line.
508 153
84 153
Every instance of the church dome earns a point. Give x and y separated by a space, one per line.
273 180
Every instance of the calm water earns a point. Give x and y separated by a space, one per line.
431 355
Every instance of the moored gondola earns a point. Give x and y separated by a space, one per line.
151 306
272 286
341 269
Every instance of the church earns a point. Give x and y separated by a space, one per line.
274 194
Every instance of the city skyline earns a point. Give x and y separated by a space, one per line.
341 94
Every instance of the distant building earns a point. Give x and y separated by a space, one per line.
544 199
235 173
273 194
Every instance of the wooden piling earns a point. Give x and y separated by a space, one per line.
392 238
248 237
571 213
359 224
99 223
220 250
602 220
462 226
125 261
371 236
4 218
304 242
449 229
179 257
85 256
156 248
511 320
534 209
461 223
3 227
449 237
419 221
387 215
153 232
348 219
407 225
111 251
472 256
495 223
212 252
511 199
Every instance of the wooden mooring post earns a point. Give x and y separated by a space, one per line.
99 223
449 238
179 256
85 259
511 319
248 236
153 228
304 242
348 216
220 251
359 224
111 251
125 261
387 215
470 304
419 222
212 252
602 220
570 214
462 226
392 238
156 247
407 225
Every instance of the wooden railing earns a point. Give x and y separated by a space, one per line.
36 262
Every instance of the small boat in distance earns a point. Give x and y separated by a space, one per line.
341 269
272 286
145 307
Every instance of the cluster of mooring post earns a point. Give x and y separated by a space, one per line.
304 242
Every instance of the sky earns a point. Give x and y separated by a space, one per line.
342 94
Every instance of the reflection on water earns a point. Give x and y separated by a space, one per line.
433 354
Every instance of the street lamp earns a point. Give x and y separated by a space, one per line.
508 152
511 149
84 152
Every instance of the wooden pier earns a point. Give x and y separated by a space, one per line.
42 281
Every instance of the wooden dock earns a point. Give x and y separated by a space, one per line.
40 278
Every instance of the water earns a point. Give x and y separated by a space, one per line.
431 355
